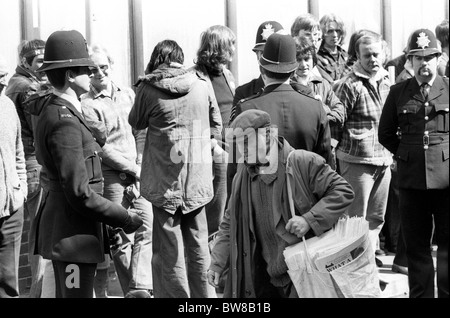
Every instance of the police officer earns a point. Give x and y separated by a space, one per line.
300 119
256 85
69 229
251 89
414 126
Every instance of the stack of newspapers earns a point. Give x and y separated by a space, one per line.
331 250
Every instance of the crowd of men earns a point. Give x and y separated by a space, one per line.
183 182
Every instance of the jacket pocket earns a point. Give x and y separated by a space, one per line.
445 154
407 116
360 136
17 198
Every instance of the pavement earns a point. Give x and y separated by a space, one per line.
396 283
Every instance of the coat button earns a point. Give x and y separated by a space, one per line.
426 132
446 109
427 104
425 147
404 111
122 176
426 118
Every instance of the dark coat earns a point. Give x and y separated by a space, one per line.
68 224
300 119
254 87
405 118
320 195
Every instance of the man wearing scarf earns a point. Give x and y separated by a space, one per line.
258 224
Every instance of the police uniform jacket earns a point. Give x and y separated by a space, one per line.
300 119
255 86
416 132
68 224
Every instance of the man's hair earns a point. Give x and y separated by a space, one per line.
352 42
216 48
277 76
27 49
165 52
442 33
304 46
57 76
306 22
368 39
97 48
328 18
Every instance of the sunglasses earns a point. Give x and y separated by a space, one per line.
96 70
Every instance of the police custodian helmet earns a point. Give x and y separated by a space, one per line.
422 43
65 49
279 55
264 31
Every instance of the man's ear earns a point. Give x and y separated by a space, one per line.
70 76
24 62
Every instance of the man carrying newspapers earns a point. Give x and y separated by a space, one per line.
258 225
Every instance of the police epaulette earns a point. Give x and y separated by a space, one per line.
63 112
243 100
250 97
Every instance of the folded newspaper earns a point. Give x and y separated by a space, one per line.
331 250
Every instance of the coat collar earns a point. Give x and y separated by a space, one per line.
277 88
436 89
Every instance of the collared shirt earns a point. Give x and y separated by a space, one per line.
430 83
73 100
104 93
332 63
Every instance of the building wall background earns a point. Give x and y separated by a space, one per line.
129 29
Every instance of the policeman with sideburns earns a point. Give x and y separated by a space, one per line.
72 218
414 126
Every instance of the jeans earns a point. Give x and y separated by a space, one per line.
371 186
180 254
10 239
133 259
216 207
418 209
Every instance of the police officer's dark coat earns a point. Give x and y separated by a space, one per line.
300 119
417 133
252 88
68 224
